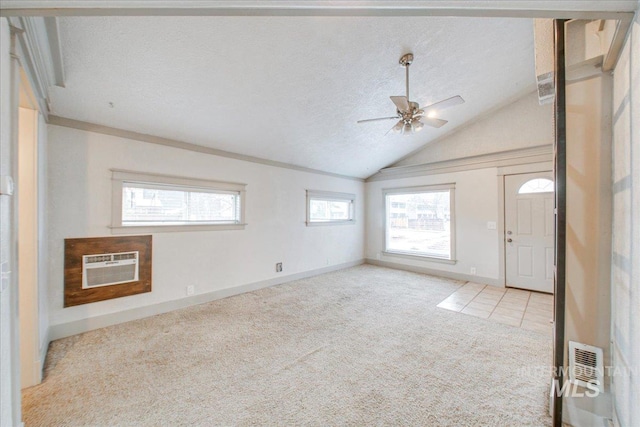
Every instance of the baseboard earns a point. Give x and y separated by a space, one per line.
440 273
44 348
79 326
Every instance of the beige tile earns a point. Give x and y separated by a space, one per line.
504 319
536 317
463 292
541 298
493 290
483 299
539 306
451 306
459 299
484 314
517 294
513 304
539 311
481 306
475 286
535 326
491 294
508 312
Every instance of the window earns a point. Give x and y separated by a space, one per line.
419 221
538 185
147 202
328 208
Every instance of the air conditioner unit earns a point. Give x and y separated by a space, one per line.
109 269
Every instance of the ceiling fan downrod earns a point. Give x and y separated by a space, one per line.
405 61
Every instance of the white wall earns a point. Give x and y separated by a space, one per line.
9 365
80 206
521 124
476 202
625 261
588 253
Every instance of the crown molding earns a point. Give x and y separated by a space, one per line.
537 154
127 134
582 9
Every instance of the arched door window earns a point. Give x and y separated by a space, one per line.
537 185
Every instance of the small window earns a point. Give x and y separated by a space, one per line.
328 208
420 222
147 203
538 185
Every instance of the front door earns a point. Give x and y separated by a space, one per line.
529 230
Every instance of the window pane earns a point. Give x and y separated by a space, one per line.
329 210
148 206
538 185
420 223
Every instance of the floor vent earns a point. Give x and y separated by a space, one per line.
585 365
109 269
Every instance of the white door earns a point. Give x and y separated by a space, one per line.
529 231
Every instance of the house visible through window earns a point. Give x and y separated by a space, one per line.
325 207
144 200
420 221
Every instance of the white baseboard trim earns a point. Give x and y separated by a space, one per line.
79 326
432 272
44 348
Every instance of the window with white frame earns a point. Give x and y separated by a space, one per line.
420 221
149 202
326 208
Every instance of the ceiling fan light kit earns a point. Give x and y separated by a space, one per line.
411 118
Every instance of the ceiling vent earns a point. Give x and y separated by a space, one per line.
585 365
109 269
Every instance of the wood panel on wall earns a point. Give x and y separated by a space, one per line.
74 249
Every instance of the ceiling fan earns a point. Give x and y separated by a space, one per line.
411 118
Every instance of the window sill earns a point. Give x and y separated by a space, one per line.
135 229
420 257
315 224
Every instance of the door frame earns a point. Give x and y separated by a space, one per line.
539 167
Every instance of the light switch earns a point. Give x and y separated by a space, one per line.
6 185
491 225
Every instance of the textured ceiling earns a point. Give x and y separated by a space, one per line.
288 89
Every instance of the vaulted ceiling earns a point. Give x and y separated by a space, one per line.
288 89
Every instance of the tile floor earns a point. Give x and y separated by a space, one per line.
515 307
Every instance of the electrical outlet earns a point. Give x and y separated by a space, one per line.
191 290
491 225
278 267
473 271
327 261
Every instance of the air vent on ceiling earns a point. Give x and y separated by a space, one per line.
585 365
109 269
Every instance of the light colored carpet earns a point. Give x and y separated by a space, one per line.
362 346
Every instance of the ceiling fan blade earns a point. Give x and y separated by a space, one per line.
375 120
433 122
449 102
397 128
401 102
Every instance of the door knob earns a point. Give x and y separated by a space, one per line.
509 232
509 240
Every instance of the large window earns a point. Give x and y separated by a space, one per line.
420 221
327 208
165 203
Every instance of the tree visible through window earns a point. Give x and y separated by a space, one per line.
419 223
